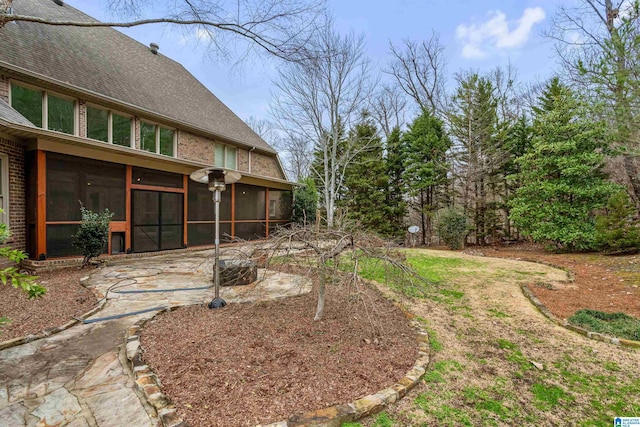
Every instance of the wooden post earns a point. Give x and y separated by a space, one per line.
41 205
185 199
127 209
266 210
233 210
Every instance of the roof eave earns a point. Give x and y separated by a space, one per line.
22 131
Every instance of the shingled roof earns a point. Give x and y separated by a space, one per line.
108 63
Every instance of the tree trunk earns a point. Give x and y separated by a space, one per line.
321 292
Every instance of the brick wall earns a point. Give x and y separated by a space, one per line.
243 160
17 189
265 166
195 148
4 88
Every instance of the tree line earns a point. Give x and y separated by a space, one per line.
556 161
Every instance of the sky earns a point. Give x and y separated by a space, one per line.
478 35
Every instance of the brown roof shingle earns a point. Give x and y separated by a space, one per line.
109 63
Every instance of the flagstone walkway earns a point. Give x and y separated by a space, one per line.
81 377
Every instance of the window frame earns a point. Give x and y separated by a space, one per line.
110 114
45 105
225 155
157 126
4 188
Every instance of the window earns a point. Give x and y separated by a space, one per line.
225 156
4 188
157 139
107 126
43 109
61 114
28 102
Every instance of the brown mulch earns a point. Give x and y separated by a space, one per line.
249 364
65 298
604 283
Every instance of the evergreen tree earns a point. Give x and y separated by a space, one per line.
395 159
305 202
473 120
426 166
366 181
562 178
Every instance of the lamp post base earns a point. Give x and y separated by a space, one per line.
217 303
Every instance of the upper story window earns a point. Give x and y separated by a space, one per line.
225 156
157 139
44 109
107 126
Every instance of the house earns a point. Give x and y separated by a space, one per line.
90 115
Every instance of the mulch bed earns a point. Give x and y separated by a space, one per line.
249 364
65 298
604 283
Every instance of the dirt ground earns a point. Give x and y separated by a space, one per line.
65 298
249 364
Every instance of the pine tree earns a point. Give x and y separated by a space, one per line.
395 159
562 178
366 181
426 166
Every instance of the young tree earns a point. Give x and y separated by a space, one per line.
425 166
319 98
562 176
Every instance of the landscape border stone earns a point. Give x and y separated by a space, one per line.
565 324
334 416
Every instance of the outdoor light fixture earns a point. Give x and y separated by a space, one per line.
216 180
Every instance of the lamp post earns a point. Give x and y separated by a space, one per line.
216 180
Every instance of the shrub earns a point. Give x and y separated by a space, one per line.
617 230
452 228
618 325
305 202
93 234
19 280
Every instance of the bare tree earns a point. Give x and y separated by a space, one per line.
335 256
388 108
419 69
597 43
321 97
279 27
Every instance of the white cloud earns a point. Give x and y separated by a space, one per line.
495 33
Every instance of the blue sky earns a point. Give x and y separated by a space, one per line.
478 34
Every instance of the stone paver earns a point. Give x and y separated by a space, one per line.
79 377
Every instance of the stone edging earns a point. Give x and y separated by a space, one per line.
333 416
52 331
565 324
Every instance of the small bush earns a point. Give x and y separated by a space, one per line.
452 228
618 231
619 325
305 202
93 235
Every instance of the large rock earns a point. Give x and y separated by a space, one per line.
237 272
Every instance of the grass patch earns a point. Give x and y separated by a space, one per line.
497 313
382 420
617 324
547 397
